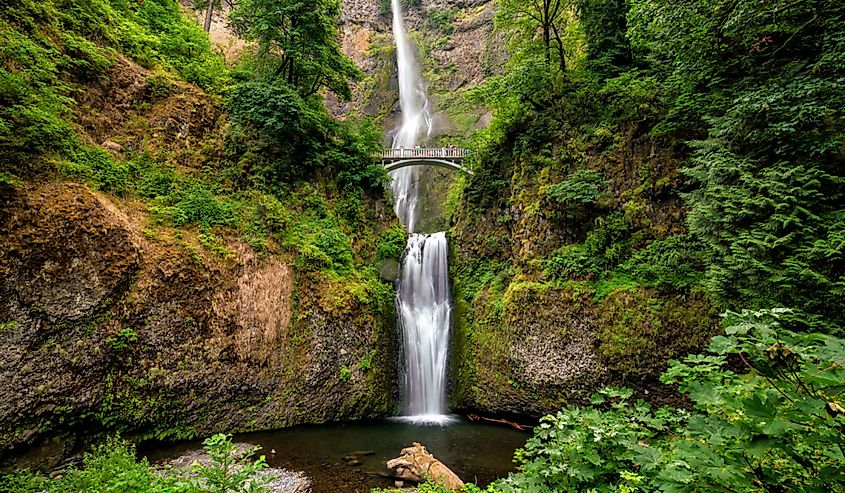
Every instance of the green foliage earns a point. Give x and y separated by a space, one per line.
123 339
555 45
605 246
776 428
345 374
637 331
113 467
279 116
321 244
762 85
366 364
750 92
297 44
289 137
582 448
604 24
391 244
195 203
440 20
229 469
573 261
47 47
675 263
584 187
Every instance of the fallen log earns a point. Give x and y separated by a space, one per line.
416 464
515 425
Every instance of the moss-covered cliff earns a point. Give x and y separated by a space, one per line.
566 267
154 282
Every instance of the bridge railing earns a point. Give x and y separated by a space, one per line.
426 152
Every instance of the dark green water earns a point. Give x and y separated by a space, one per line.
478 453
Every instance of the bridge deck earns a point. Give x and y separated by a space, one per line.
422 153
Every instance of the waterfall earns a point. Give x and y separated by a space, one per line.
424 313
422 298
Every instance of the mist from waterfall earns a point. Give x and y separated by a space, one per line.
422 298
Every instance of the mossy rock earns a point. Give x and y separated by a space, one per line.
638 330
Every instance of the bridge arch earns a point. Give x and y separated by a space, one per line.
438 162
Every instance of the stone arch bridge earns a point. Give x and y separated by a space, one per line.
444 157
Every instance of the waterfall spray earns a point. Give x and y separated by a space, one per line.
422 298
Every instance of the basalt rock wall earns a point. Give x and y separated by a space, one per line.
105 329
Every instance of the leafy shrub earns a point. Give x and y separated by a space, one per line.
194 203
592 447
584 187
110 467
280 117
606 245
321 244
440 20
391 244
229 469
573 261
47 47
776 428
676 263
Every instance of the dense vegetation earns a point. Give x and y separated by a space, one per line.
53 50
686 157
679 155
748 98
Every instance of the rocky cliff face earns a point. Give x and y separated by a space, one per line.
456 48
114 321
104 328
529 342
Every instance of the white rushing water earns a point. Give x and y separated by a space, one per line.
424 313
422 298
416 121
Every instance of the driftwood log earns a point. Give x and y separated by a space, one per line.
416 464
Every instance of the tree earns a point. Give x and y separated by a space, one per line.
297 43
549 18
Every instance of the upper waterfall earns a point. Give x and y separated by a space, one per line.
416 120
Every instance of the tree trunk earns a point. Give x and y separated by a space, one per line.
547 39
208 14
